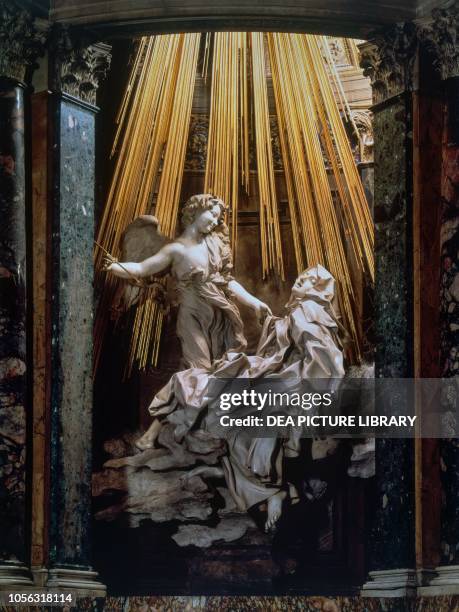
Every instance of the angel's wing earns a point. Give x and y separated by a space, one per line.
140 240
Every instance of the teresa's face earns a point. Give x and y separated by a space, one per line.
302 285
207 220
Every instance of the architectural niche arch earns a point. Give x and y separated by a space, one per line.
403 544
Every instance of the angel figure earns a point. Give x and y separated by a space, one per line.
208 321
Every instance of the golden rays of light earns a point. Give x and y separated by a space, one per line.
330 218
228 123
312 136
270 234
153 129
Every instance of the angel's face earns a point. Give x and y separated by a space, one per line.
207 220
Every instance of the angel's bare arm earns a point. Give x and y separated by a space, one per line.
159 262
244 297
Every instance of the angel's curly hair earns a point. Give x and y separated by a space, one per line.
199 203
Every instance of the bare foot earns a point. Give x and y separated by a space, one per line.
317 488
205 471
274 509
149 437
293 494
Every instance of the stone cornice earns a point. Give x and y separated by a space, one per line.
79 64
388 60
22 42
441 39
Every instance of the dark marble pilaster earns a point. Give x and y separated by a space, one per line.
20 46
13 388
389 61
449 338
76 72
440 38
428 130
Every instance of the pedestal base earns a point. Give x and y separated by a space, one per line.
444 582
40 576
82 583
391 583
14 575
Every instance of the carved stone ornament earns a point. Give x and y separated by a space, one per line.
338 51
21 42
388 60
197 143
364 123
442 40
80 65
278 162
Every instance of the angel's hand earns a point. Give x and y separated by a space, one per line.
108 262
262 310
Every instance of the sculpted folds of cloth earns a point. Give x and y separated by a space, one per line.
305 343
200 261
302 344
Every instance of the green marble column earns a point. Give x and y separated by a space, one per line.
21 45
389 61
77 69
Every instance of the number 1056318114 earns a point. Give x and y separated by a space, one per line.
49 598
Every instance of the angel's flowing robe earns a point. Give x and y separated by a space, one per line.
209 322
302 345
